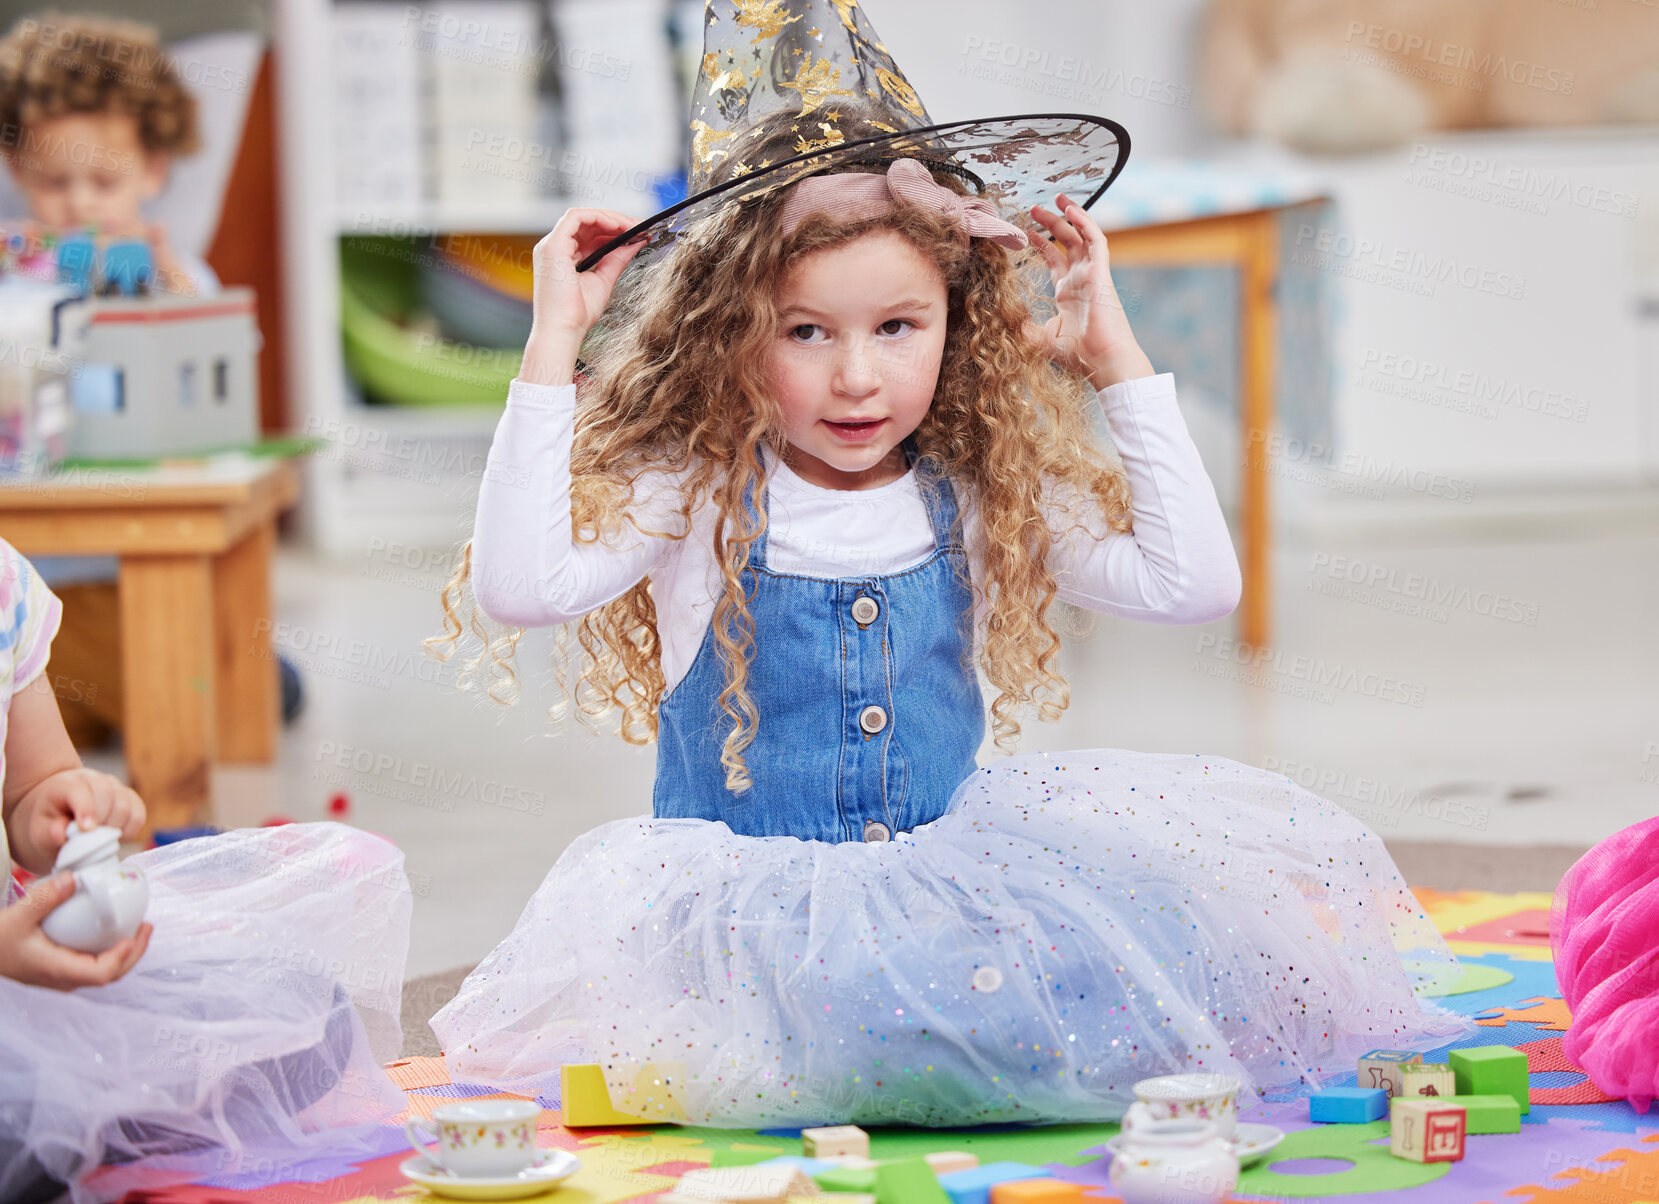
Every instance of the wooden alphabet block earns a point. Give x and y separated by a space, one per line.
946 1161
1425 1078
1426 1129
1381 1068
837 1139
766 1183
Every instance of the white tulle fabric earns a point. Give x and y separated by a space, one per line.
1075 922
250 1037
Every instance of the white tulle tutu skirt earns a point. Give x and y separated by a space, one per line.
248 1039
1074 923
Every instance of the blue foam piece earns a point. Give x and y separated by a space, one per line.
973 1186
75 258
164 836
1348 1105
128 265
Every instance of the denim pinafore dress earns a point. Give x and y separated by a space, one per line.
870 712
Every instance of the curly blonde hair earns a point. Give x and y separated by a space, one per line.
676 379
53 65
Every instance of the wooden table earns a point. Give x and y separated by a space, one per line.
195 545
1181 213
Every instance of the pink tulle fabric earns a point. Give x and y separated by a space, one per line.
1604 930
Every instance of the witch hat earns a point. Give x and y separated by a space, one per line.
788 88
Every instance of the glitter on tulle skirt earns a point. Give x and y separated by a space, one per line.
248 1039
1074 923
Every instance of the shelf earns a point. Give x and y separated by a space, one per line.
530 217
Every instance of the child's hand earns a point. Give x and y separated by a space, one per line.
28 955
40 823
1090 334
170 276
566 303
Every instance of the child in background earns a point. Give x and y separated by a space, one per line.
92 114
827 464
245 1022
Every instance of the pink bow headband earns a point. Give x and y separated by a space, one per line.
863 194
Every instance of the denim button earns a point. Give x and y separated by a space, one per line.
865 610
872 719
876 830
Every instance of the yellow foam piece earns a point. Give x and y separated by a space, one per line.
650 1090
586 1101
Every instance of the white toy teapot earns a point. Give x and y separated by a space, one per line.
109 900
1179 1161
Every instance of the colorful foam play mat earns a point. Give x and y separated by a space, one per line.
1573 1145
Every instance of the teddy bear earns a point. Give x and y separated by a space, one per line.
1347 76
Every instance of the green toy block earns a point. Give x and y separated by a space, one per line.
846 1178
734 1157
1489 1113
911 1181
1492 1070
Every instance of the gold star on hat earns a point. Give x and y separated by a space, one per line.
790 88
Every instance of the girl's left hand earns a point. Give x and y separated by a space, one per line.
1090 334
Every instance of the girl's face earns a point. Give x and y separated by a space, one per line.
861 331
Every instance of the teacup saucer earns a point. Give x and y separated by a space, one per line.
1250 1142
540 1176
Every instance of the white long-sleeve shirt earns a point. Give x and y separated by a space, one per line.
1177 565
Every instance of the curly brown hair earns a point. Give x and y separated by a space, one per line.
676 380
55 64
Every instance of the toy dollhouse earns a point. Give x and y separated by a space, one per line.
148 373
166 375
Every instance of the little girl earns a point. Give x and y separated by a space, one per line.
242 1027
825 466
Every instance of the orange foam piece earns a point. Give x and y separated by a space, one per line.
1037 1191
411 1074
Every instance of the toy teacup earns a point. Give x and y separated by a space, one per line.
1192 1097
1183 1160
480 1139
109 900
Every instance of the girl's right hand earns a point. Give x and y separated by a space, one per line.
566 303
28 955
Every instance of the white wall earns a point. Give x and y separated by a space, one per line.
1573 332
1123 53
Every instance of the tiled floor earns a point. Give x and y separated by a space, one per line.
1536 726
